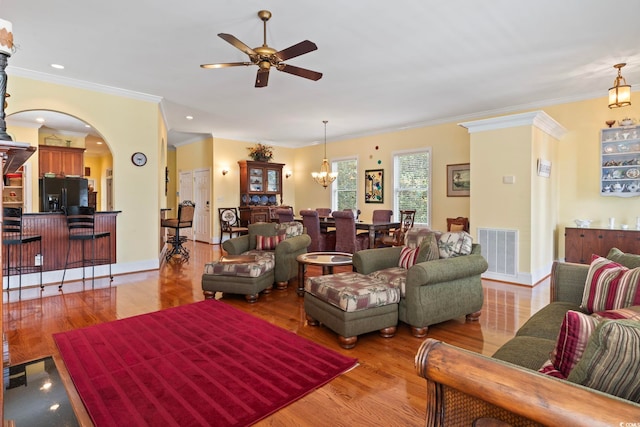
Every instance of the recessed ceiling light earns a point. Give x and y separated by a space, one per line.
99 142
189 117
40 120
58 66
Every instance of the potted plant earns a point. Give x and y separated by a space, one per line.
261 152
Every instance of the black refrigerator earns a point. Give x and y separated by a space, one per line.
58 193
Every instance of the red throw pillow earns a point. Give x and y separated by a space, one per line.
610 285
268 243
408 256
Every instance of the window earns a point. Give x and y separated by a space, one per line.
345 187
412 184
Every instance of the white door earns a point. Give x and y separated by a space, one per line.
185 192
202 217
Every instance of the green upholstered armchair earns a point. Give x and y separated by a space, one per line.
285 251
437 290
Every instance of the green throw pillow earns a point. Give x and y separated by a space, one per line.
611 361
428 248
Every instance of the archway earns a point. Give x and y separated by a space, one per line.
60 131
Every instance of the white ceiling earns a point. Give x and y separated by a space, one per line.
387 66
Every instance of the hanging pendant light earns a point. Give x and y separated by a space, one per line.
620 93
325 176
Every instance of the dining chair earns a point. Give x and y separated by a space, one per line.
458 224
346 238
381 215
320 241
396 238
230 223
324 212
284 215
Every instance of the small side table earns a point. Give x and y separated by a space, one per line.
327 260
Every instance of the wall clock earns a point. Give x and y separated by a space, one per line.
139 159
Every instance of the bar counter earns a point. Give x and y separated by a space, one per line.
52 226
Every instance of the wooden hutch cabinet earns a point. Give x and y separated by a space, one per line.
260 190
63 161
581 243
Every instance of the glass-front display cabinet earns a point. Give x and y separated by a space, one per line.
620 161
260 188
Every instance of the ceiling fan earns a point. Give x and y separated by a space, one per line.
266 57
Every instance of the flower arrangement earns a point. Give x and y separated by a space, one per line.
261 152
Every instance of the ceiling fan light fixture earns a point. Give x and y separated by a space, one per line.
620 93
325 176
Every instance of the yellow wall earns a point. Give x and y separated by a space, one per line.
449 144
127 125
130 124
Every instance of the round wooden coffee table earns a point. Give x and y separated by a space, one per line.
327 260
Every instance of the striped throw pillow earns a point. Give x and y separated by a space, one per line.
574 335
408 256
611 360
610 285
268 243
572 339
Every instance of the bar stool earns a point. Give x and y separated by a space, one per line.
186 210
13 235
81 225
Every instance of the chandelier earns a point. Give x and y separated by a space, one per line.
620 93
325 176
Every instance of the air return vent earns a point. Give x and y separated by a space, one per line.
500 249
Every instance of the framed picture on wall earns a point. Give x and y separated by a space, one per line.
374 186
458 180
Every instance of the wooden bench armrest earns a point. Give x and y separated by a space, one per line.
464 384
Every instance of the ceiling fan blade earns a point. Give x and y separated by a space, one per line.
262 78
301 72
296 50
226 64
237 43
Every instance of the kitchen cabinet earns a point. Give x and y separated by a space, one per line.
260 190
620 161
62 161
581 243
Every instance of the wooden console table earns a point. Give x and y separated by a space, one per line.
581 243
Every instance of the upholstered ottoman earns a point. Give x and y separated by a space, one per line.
247 275
351 304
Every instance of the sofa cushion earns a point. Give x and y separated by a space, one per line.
395 277
528 352
408 257
610 285
268 243
455 244
414 236
265 261
290 229
429 250
351 291
628 260
546 322
611 361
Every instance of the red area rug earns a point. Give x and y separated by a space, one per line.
200 364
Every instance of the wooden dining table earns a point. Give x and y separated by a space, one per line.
370 226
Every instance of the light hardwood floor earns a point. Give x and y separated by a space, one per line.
383 390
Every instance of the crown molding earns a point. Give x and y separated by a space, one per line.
81 84
539 119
